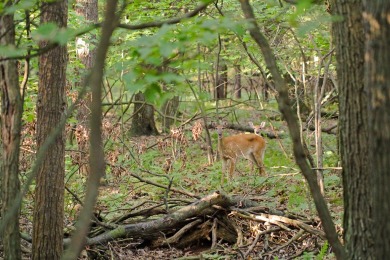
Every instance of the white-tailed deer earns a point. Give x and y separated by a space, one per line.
248 146
257 128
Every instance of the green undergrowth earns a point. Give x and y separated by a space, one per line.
282 187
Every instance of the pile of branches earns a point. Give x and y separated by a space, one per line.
215 224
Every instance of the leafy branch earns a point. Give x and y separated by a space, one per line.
155 24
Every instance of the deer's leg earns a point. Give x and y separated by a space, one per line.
257 158
224 162
232 167
262 170
252 162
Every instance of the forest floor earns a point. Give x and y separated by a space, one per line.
150 177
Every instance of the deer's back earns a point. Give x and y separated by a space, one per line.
242 144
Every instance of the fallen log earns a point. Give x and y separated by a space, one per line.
212 222
243 128
155 228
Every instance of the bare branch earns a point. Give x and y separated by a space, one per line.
285 108
175 20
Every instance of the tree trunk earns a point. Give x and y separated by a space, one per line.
222 81
348 37
143 117
237 82
86 52
265 90
377 83
51 104
96 160
169 110
11 113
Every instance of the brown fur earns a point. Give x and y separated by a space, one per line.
248 146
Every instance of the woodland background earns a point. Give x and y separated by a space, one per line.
108 149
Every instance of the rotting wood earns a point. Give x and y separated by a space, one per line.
176 237
187 217
258 235
270 135
275 219
168 222
192 225
294 238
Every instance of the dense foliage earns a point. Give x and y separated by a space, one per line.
183 59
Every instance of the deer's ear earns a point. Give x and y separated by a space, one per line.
251 124
262 124
225 124
213 124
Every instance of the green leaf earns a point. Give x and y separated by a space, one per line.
204 96
167 48
47 31
64 36
51 32
129 77
21 5
171 77
153 93
9 51
152 78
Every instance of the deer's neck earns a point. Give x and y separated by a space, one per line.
220 143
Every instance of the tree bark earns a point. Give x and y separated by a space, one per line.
348 37
86 52
143 117
88 9
169 110
222 81
11 116
237 82
377 82
51 104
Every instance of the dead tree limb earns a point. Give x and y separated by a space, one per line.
294 238
277 220
270 135
259 234
156 227
176 237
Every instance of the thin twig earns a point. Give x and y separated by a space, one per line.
258 235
